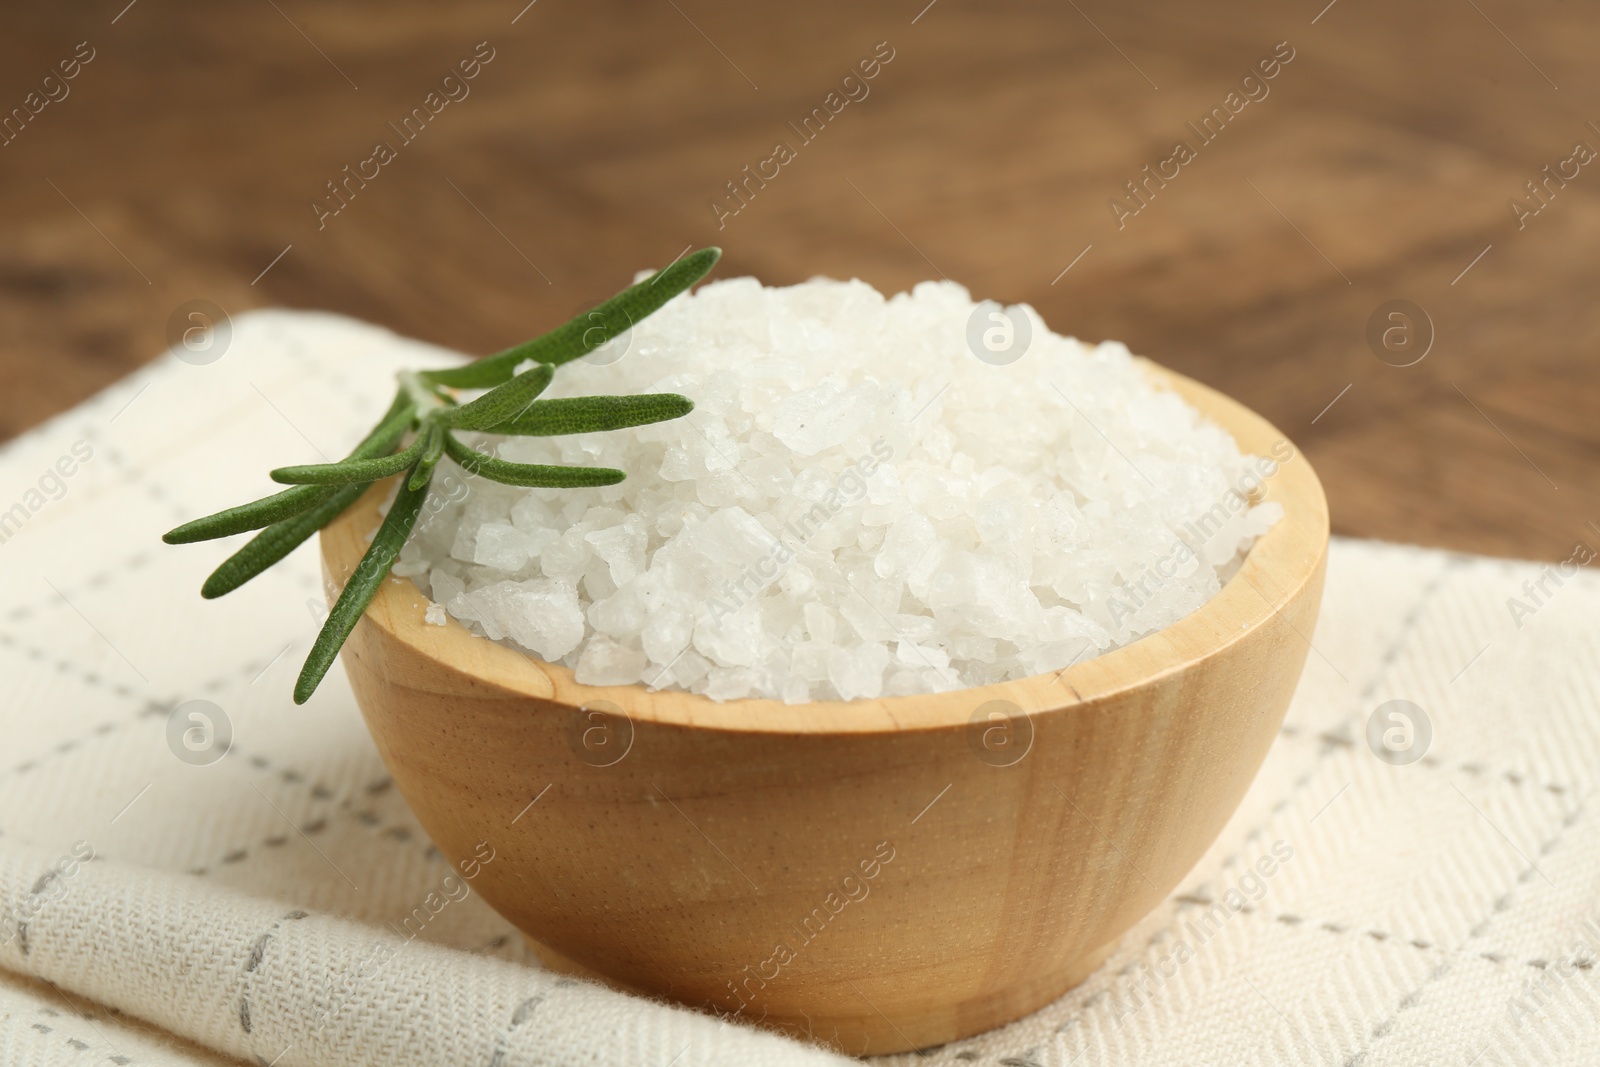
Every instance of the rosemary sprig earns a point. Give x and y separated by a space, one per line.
426 409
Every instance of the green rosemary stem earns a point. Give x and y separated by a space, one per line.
424 406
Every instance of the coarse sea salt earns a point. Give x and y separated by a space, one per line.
859 506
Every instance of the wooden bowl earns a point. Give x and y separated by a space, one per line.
878 875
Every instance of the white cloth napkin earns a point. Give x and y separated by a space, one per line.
252 909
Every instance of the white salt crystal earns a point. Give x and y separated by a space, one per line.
731 683
445 586
825 416
857 670
540 615
738 639
566 556
796 690
434 615
821 623
907 541
857 507
908 654
623 614
501 546
532 516
622 547
605 662
666 631
903 683
685 671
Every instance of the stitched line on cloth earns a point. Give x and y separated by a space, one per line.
68 667
1477 770
519 1015
132 475
39 886
153 705
98 580
257 954
1390 655
1345 929
155 708
1501 904
319 791
1387 660
395 831
151 708
77 1044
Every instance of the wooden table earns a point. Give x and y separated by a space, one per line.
184 161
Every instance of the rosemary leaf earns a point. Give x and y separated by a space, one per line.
251 516
591 414
352 471
275 542
433 448
363 585
589 330
539 475
499 405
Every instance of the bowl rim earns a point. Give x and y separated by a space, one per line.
1274 571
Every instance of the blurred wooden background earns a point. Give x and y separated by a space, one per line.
188 152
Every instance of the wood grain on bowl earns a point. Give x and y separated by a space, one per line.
879 875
